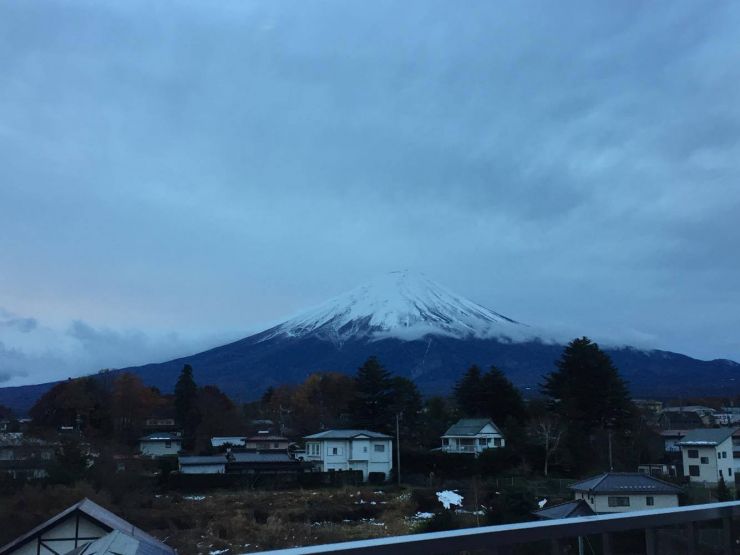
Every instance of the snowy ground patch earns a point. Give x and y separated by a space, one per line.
449 498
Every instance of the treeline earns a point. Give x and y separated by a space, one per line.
584 409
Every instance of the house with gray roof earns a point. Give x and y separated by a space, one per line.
88 528
618 492
472 435
364 450
708 455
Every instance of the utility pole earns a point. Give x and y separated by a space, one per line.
398 450
611 466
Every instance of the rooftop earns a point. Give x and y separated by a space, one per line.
625 482
569 509
470 427
707 436
347 434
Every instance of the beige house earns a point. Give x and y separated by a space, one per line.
86 528
618 492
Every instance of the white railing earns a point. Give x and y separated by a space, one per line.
500 539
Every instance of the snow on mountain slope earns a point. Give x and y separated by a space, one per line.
402 305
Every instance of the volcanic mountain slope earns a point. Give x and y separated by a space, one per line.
417 329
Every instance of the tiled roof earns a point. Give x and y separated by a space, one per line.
569 509
625 482
211 459
347 434
469 427
707 436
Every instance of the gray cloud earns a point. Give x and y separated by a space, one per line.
207 169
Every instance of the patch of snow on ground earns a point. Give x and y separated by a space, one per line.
423 516
217 551
194 497
449 498
542 503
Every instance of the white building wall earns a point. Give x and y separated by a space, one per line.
600 503
63 529
159 448
720 462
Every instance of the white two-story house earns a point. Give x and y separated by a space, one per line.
472 435
351 450
618 492
707 455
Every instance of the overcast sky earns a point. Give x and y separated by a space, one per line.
177 174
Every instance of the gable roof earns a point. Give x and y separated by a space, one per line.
96 513
202 460
706 436
470 427
569 509
347 434
625 483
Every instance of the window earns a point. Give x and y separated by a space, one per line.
650 501
482 441
619 501
705 460
335 450
379 448
693 470
724 454
729 471
275 445
497 442
167 444
720 473
313 449
693 453
445 441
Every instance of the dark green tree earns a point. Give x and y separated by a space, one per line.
468 393
723 492
186 405
592 401
406 402
372 406
500 399
490 395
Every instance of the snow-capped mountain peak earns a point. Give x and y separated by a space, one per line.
403 305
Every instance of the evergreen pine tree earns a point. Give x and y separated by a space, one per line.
468 393
372 406
503 402
592 401
586 389
186 405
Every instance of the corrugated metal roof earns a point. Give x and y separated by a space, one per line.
625 482
119 543
707 436
347 434
470 427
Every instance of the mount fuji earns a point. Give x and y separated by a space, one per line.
417 329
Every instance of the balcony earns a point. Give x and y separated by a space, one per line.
693 529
